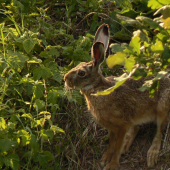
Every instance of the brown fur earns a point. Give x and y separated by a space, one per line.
122 110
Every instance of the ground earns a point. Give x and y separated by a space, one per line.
87 141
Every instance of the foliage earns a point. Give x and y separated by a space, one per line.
40 41
148 51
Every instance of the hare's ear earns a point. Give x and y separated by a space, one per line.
103 35
98 53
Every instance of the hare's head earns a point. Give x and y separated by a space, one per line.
86 75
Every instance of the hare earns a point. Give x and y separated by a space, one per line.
122 110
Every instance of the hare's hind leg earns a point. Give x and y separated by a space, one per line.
152 155
162 112
108 154
129 138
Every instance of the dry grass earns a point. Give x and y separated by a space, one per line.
85 142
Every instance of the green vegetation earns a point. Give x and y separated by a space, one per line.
42 126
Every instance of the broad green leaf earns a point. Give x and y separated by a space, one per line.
54 52
33 142
38 91
47 134
128 20
27 115
39 104
160 75
116 59
115 47
29 44
47 115
35 123
166 18
43 134
12 160
58 76
25 136
52 96
41 72
111 89
2 123
11 125
44 158
135 43
129 64
157 47
56 129
148 21
121 35
6 145
44 113
73 96
17 60
155 4
34 60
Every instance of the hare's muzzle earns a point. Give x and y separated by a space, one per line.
68 82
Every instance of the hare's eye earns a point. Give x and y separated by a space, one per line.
81 73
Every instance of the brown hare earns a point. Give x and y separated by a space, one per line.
122 110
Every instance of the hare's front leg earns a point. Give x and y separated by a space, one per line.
129 138
110 150
119 135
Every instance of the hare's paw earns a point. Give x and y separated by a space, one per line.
152 156
112 166
106 158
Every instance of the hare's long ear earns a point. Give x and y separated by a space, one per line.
98 53
103 35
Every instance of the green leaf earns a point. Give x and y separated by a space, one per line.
39 104
155 4
115 47
2 123
29 44
52 96
58 76
41 72
111 89
129 64
27 115
44 158
34 60
16 60
47 134
128 20
135 43
38 91
160 75
54 52
148 21
25 136
12 160
6 145
56 129
166 18
33 142
116 59
157 47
